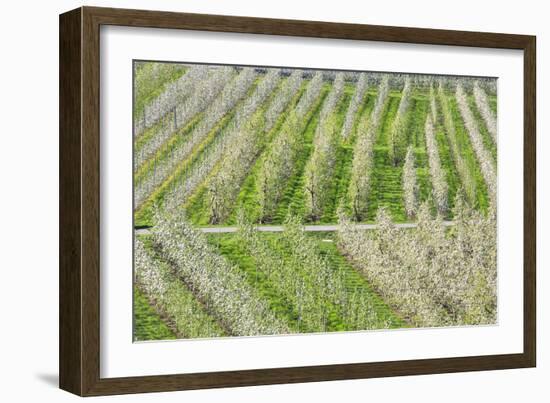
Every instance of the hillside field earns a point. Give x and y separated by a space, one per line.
241 149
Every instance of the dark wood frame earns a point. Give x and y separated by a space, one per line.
79 200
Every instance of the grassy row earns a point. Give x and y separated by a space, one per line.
445 155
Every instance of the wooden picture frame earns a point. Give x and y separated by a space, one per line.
79 348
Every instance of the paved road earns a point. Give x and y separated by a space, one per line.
280 228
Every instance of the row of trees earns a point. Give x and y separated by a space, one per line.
437 174
225 102
398 138
429 275
224 185
466 177
278 163
320 166
485 161
237 133
178 105
314 290
312 92
150 80
220 287
290 87
170 296
363 155
355 105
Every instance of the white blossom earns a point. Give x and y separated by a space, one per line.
161 170
410 186
488 116
236 305
398 135
360 182
355 105
437 174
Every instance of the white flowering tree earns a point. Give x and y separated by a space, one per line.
163 168
320 166
355 105
198 171
431 277
410 185
363 154
171 297
437 174
279 161
221 287
398 135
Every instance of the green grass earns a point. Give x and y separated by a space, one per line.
148 325
233 250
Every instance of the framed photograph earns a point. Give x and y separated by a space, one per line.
249 201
